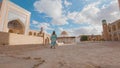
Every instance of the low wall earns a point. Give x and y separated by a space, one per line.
15 39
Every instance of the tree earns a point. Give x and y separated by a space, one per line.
84 38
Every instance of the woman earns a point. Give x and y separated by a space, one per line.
53 39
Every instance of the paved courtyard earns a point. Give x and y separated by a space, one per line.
81 55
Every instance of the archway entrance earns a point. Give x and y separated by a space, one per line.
15 26
47 40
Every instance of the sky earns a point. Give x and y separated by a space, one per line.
77 17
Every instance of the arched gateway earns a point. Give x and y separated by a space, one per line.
13 18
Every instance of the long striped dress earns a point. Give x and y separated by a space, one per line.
53 40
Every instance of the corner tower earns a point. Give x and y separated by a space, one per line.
105 30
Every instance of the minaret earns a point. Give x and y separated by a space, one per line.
105 30
41 30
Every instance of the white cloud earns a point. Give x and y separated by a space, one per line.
38 25
110 12
93 15
53 8
88 14
35 22
95 30
89 30
60 21
67 3
61 29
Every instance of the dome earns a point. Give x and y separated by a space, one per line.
104 22
64 33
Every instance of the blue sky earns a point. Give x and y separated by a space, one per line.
74 16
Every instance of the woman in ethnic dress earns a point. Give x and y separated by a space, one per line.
53 39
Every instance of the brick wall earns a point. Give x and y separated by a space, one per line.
4 38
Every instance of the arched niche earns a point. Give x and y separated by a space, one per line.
30 33
47 40
16 26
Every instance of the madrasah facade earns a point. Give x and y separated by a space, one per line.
14 26
111 31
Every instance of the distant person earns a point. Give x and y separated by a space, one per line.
53 39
